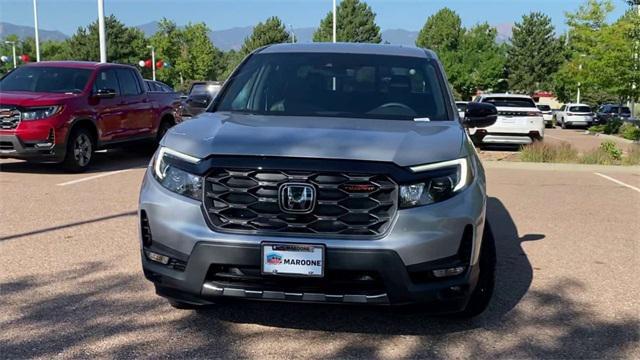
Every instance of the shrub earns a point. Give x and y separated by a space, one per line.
611 149
633 156
598 156
613 126
630 132
596 129
543 152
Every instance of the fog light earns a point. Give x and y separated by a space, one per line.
44 145
440 273
157 257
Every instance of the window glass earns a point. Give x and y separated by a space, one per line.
338 85
544 107
579 109
510 102
128 82
106 79
46 79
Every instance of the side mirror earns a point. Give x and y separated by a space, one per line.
105 93
479 115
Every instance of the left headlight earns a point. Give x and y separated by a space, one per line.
175 179
442 180
37 113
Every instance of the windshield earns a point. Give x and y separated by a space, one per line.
544 107
580 109
618 109
337 85
510 102
204 89
46 79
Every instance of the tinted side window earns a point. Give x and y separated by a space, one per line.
128 82
106 79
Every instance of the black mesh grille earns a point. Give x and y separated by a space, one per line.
350 205
9 117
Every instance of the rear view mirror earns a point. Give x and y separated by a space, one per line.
479 115
105 93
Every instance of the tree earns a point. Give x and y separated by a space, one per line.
534 53
601 56
125 45
481 62
441 32
272 31
356 23
197 54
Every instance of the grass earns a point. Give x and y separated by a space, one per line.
548 153
607 154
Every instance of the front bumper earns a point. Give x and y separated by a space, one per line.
44 150
422 239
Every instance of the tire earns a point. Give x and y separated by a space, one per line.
80 148
483 292
563 125
165 125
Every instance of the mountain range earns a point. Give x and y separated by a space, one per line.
233 38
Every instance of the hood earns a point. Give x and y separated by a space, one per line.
25 98
404 143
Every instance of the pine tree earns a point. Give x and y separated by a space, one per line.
534 54
356 23
272 31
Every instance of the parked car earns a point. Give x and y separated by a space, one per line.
62 111
574 115
200 96
462 108
547 114
519 121
607 112
352 183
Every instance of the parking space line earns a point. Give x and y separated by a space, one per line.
92 177
618 182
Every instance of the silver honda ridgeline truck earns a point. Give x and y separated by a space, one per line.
323 173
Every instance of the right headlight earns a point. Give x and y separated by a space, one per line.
442 180
173 178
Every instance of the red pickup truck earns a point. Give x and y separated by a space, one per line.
62 111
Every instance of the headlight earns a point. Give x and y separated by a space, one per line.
173 178
40 112
442 181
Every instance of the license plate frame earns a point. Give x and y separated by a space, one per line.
289 251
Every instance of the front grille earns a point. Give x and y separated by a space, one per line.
9 117
6 145
347 205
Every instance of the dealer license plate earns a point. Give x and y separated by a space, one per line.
293 259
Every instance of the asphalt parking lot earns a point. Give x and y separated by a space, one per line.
71 283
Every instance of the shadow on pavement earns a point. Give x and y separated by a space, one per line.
100 310
109 160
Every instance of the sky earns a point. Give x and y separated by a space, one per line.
68 15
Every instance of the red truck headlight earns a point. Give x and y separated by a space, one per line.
37 113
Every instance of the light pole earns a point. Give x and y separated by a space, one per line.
293 34
101 32
13 46
335 17
35 23
580 77
153 61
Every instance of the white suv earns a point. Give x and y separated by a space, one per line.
574 115
519 121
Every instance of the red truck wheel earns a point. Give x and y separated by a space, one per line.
79 151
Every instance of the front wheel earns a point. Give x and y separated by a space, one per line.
483 292
79 151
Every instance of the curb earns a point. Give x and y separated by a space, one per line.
492 164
